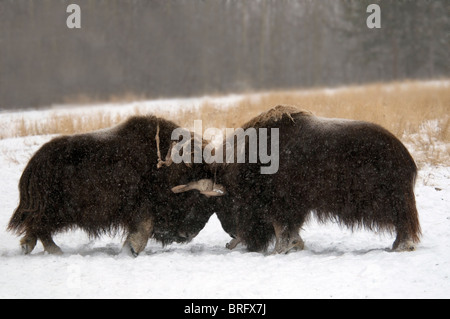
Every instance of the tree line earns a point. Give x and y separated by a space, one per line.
166 48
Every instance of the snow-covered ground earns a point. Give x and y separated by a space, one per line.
335 264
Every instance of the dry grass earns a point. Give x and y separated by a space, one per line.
416 112
66 124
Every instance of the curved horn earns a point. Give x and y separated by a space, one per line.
217 190
168 160
180 189
206 187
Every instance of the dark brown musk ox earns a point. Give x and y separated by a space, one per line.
109 181
352 172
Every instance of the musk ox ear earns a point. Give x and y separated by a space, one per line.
206 187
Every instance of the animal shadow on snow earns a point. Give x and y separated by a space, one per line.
115 250
317 249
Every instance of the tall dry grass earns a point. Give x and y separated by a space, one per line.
416 112
64 124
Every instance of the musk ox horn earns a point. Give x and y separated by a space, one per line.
168 160
205 186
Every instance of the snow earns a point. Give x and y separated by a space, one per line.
336 262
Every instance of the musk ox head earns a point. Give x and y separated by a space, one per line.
188 187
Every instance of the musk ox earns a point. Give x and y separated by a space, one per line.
352 172
108 181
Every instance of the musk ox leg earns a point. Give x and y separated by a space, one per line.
49 245
28 242
137 239
233 243
407 225
287 238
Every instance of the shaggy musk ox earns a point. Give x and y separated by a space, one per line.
108 181
352 172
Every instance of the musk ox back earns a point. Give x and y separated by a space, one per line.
352 172
107 181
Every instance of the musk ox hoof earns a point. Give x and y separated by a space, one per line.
404 246
27 244
296 245
133 253
26 249
128 250
233 243
49 245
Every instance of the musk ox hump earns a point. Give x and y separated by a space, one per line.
275 114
